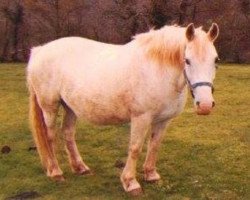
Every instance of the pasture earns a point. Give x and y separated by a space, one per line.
201 157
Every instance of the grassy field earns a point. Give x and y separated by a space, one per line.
200 158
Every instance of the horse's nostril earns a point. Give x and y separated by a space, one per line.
213 104
197 103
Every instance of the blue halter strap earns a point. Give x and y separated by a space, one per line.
198 84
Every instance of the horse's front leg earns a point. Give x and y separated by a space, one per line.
150 173
139 128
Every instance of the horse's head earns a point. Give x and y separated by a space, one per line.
200 66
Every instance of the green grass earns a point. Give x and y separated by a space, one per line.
200 158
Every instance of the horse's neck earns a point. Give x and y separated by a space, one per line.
176 78
167 77
140 62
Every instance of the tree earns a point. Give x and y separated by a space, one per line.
13 12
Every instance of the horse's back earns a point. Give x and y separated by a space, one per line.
69 47
66 55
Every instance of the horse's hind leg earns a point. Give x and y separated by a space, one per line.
68 128
150 173
50 113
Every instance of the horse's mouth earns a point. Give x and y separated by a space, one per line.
204 108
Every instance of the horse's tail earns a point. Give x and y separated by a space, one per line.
39 129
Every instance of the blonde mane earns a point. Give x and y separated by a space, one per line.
165 46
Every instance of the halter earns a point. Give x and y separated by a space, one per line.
198 84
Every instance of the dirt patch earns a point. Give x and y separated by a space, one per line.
32 148
25 195
119 164
5 149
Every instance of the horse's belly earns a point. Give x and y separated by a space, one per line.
102 113
106 119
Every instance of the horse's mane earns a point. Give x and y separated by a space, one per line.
165 46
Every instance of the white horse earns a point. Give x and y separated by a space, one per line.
142 82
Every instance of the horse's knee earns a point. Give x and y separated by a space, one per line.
135 151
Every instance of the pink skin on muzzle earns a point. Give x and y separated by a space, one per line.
204 108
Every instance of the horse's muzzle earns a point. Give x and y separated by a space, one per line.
204 108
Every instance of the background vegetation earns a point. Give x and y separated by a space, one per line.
201 157
27 23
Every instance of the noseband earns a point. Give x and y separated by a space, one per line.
198 84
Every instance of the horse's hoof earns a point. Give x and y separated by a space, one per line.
132 187
152 177
136 192
58 178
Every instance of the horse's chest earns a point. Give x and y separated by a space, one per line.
172 107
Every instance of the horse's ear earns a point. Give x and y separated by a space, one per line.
190 31
213 32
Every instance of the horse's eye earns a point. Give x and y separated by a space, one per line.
187 61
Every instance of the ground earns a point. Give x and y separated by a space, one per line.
202 157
